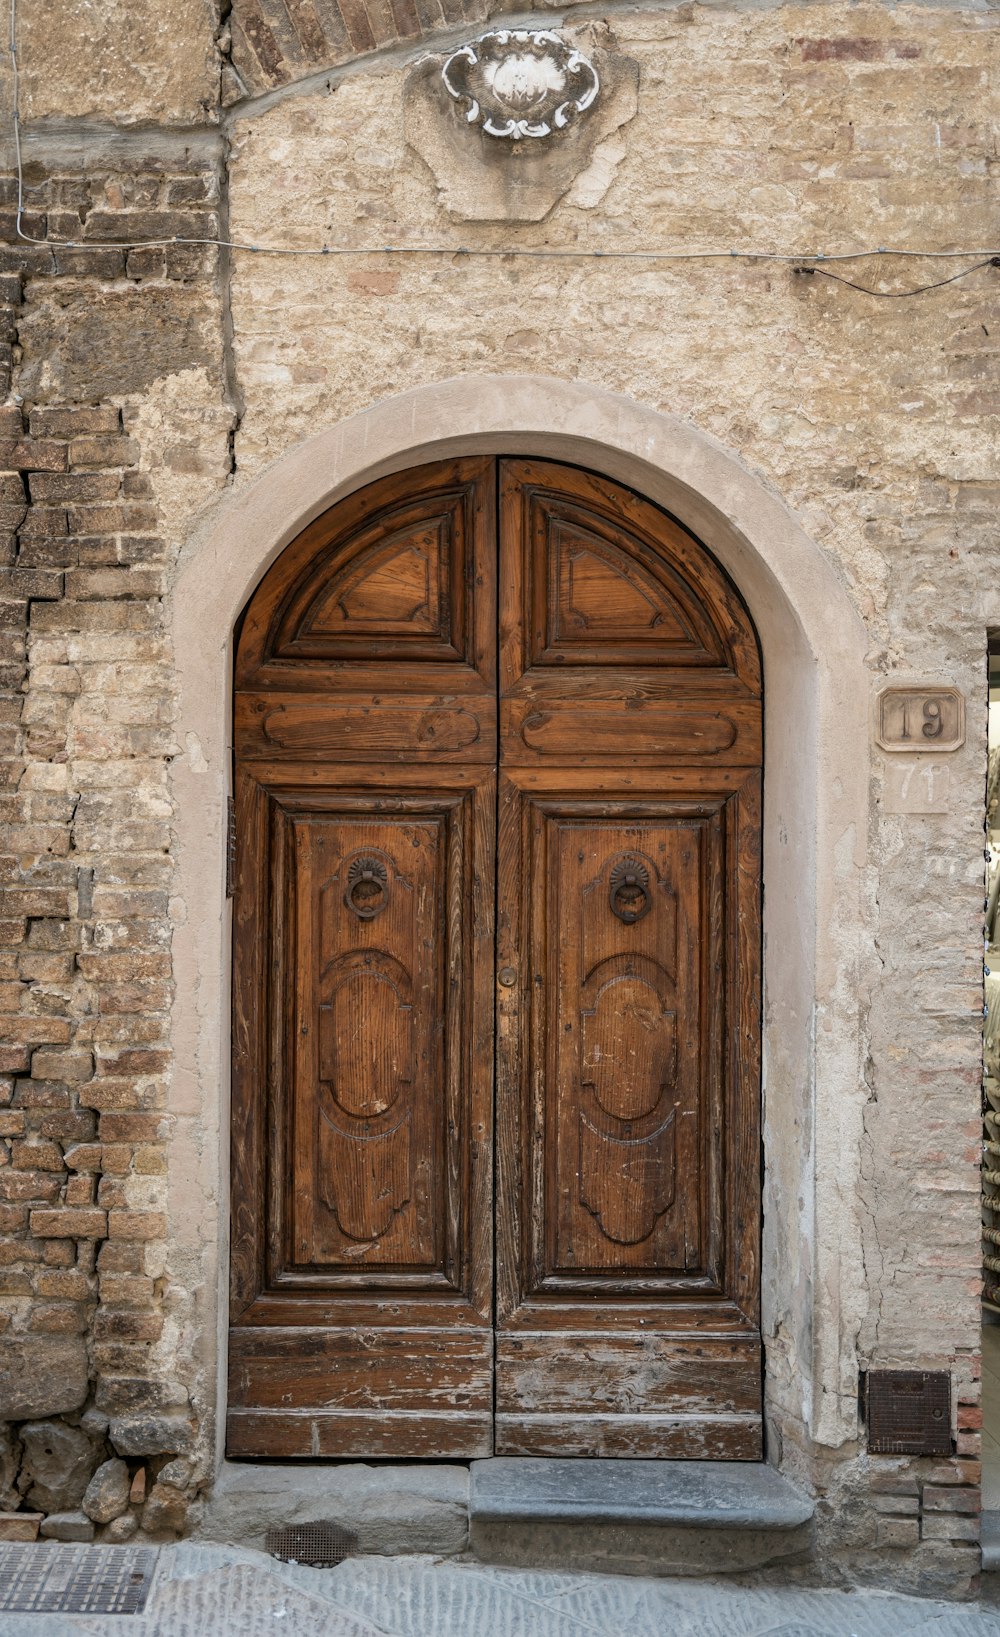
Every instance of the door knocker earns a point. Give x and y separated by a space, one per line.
629 892
367 888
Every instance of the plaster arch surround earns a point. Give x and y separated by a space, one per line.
817 948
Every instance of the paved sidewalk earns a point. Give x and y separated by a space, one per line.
208 1591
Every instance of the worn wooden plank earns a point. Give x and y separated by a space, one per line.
316 1435
353 1369
581 731
250 979
618 1373
743 1061
360 727
662 1437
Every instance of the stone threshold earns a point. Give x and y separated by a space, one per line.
636 1517
690 1494
648 1517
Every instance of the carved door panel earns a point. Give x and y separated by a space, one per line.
628 921
363 934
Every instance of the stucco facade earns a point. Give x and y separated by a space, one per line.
176 413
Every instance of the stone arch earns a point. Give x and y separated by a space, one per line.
815 809
274 45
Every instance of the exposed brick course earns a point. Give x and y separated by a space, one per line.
274 43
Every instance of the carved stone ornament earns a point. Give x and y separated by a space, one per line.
521 83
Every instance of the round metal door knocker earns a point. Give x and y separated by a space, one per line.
367 888
629 891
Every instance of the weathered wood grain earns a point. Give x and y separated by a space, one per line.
316 1435
637 1436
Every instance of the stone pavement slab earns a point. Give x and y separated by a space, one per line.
205 1590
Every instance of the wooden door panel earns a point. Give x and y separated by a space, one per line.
376 662
626 1090
368 1119
582 728
592 602
627 1123
595 576
365 1247
357 726
402 572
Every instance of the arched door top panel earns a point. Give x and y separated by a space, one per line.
388 602
608 579
396 574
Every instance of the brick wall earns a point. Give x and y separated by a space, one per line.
97 1422
270 43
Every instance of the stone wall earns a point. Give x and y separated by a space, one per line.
144 384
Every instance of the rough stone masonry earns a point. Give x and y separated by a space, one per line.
143 386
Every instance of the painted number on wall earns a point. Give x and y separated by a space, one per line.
920 719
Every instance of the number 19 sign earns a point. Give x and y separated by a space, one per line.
918 719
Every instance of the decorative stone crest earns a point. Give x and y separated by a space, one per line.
520 82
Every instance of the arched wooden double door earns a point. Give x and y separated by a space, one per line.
496 1159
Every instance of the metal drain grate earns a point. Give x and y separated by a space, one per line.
44 1578
321 1545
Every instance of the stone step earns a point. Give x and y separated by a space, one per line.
641 1517
394 1508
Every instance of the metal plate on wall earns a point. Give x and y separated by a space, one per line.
46 1578
909 1412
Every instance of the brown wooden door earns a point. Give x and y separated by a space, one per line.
628 1146
615 1309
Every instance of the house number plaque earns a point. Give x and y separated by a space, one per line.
914 720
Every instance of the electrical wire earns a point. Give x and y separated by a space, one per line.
800 261
898 295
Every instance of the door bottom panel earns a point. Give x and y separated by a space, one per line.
381 1392
315 1435
633 1437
